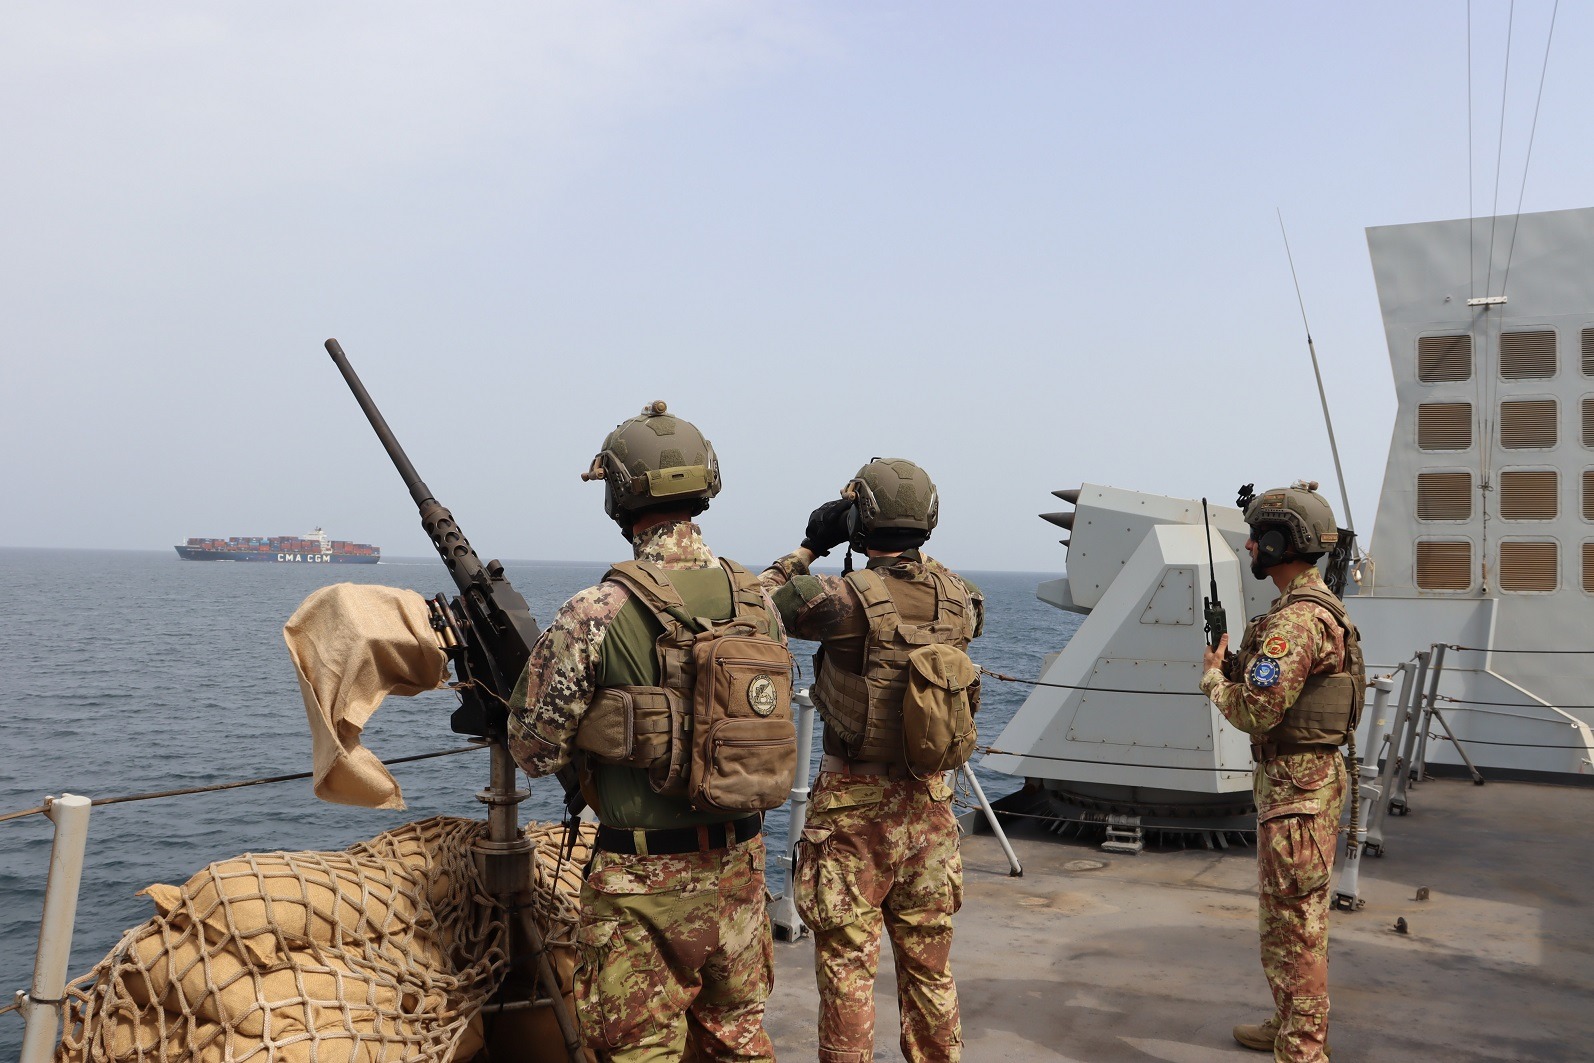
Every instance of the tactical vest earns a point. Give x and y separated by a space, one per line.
865 710
649 727
1329 706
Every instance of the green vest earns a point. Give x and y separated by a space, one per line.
628 657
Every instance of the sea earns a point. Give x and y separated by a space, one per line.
126 672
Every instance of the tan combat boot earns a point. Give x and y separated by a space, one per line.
1259 1036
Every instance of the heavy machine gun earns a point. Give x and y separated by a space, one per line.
488 632
488 629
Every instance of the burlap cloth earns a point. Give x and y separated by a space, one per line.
353 645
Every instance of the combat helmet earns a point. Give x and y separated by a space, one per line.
894 505
654 461
1293 520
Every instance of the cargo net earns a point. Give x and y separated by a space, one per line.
386 951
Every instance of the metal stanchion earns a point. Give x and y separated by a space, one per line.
42 1004
1347 894
1015 870
1391 766
788 925
1408 746
1420 764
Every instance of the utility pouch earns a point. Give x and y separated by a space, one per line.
743 741
938 707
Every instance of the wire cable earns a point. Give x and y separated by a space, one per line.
1505 84
1492 649
98 801
1095 690
1528 159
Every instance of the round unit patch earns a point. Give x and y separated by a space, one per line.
1264 672
1275 646
761 695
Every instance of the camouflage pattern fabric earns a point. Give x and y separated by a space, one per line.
1314 644
685 935
824 608
676 957
1299 800
562 674
875 853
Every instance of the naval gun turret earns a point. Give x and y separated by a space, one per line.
1119 736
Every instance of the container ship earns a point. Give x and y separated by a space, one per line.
314 548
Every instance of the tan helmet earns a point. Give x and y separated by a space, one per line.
1304 515
892 496
655 460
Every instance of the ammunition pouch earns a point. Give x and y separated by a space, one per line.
638 727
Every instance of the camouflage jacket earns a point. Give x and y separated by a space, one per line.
562 673
1298 640
826 609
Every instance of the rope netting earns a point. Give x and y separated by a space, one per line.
385 951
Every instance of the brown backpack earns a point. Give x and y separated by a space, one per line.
739 741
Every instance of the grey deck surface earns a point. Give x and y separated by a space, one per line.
1153 957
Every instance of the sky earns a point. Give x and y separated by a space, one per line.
1027 245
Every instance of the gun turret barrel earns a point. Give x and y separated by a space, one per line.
1062 520
1071 496
412 479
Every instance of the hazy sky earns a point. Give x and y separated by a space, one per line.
1024 244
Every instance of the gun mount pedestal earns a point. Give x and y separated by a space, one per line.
504 859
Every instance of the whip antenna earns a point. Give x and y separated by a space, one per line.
1339 471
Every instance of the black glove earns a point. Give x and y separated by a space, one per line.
827 527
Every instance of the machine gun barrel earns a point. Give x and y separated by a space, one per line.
412 479
495 619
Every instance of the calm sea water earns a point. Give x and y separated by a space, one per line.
125 672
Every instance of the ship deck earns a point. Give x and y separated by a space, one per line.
1154 956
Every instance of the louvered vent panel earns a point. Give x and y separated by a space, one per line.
1444 425
1441 358
1527 424
1588 494
1444 566
1588 567
1588 352
1444 496
1528 494
1526 566
1588 422
1527 355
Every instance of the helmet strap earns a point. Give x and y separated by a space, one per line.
846 564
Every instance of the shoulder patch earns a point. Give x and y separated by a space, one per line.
1264 673
1275 646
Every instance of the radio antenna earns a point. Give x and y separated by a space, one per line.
1339 471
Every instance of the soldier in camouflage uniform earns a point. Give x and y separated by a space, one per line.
1296 687
880 847
674 945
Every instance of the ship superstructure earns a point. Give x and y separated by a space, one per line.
316 547
1481 565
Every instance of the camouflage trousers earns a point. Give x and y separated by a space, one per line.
1299 800
676 959
882 853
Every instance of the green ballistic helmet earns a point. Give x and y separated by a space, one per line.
1304 515
655 461
894 497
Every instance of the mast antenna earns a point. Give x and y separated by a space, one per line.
1322 396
